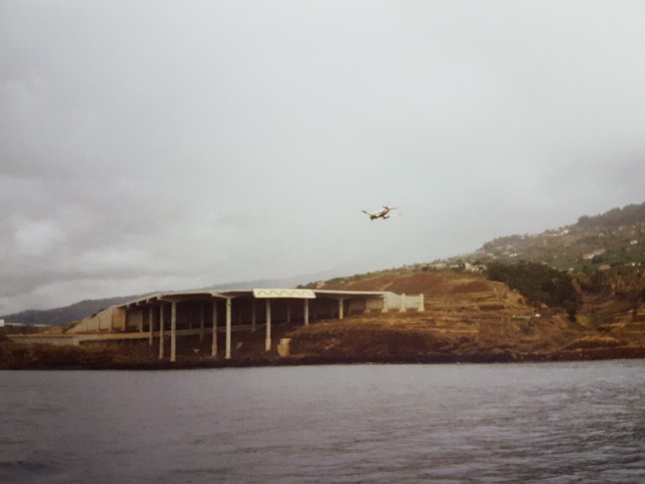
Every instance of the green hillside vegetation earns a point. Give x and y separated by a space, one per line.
539 284
613 242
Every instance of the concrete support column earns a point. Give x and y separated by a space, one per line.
161 335
402 308
229 303
267 340
422 305
366 310
306 312
201 322
173 332
214 345
341 308
151 325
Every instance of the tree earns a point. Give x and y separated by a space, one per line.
631 287
539 284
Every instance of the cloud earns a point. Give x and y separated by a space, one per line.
36 238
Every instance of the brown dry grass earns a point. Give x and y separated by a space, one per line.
465 315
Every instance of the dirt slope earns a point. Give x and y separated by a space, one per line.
466 318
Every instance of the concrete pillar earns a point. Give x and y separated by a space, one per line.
173 331
306 312
229 303
214 345
422 305
201 322
402 308
151 325
254 316
341 308
267 340
161 335
283 347
366 310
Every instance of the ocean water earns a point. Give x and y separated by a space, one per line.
549 422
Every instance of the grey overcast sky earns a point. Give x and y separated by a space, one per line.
170 145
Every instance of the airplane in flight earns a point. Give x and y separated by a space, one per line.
384 214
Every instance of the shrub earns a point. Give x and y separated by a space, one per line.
539 284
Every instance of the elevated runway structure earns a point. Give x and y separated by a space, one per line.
204 313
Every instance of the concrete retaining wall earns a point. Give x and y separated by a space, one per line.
46 339
110 319
403 302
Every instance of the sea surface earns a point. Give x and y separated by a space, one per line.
549 422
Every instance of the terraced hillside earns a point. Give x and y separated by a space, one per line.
467 318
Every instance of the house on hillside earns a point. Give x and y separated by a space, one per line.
593 254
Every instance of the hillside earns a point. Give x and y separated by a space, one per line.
470 318
613 242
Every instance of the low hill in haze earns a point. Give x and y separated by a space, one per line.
66 314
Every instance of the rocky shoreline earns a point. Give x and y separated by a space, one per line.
46 357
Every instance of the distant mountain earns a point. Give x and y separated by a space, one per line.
613 241
67 314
